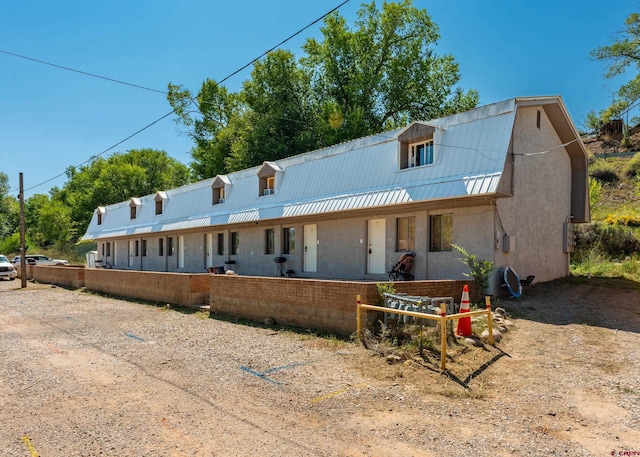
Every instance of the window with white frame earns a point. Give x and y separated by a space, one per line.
289 240
421 153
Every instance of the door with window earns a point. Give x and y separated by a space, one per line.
131 253
376 250
181 252
209 250
310 248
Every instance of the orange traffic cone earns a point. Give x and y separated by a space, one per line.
464 323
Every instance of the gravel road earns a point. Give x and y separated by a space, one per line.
87 375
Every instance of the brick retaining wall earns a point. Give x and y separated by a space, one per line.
191 290
65 276
325 305
308 303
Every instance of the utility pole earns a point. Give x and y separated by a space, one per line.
23 259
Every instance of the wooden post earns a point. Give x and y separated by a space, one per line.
443 336
487 302
358 322
23 259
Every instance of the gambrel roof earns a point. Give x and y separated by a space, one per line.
470 153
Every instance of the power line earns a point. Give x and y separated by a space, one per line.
175 109
83 72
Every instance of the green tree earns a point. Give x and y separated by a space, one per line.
281 114
211 119
384 73
352 83
621 56
9 209
115 179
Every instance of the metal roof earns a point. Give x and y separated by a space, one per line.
470 151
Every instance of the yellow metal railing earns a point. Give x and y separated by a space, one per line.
442 319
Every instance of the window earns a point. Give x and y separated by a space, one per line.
108 249
99 218
421 153
406 234
170 245
159 199
269 247
103 245
235 243
441 232
137 248
161 247
144 248
100 213
268 185
289 240
220 243
218 195
134 211
538 119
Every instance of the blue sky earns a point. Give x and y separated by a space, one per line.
51 119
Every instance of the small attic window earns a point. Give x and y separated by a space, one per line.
159 199
418 154
134 204
267 178
219 189
100 213
417 146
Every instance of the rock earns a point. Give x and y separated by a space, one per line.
392 358
230 272
500 312
497 336
269 321
473 341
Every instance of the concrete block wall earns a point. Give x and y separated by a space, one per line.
189 290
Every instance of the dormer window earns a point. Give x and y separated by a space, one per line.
134 204
219 189
267 178
417 146
421 154
100 213
160 199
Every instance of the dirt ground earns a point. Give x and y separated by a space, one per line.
86 375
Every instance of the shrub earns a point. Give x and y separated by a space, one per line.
632 170
630 220
604 172
480 269
613 241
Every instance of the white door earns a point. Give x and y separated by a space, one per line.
181 252
209 249
376 253
131 252
310 247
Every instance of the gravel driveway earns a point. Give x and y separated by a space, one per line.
86 375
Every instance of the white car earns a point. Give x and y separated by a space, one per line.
7 270
39 259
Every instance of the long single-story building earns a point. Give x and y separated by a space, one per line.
504 181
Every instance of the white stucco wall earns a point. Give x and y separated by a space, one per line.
541 201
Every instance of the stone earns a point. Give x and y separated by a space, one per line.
497 336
